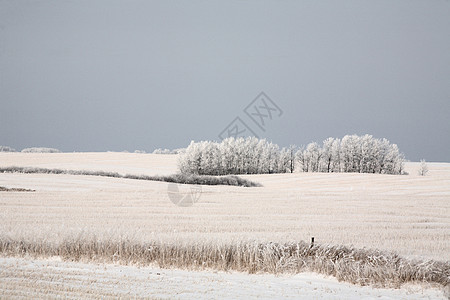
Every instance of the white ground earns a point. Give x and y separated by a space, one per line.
407 214
51 278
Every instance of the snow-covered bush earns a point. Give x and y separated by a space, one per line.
7 149
40 150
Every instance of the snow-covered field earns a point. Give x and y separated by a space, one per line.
51 278
408 214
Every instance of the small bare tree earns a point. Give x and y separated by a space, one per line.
423 168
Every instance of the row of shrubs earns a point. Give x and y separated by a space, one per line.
175 178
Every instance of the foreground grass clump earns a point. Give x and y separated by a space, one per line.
176 178
358 266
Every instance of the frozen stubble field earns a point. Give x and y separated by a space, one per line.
409 214
51 278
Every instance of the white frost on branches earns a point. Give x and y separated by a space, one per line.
423 168
352 153
360 154
236 156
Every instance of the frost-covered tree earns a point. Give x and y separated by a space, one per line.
270 158
310 159
313 156
284 162
228 156
234 156
423 168
335 156
369 152
346 153
190 162
210 160
327 155
301 159
256 166
393 161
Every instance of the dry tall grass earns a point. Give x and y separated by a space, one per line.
359 266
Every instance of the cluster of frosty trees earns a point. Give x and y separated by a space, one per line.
237 156
352 153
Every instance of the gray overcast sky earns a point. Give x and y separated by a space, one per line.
127 75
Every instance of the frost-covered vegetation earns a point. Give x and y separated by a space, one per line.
40 150
30 150
423 168
358 266
5 189
236 156
352 153
176 178
228 229
168 151
7 149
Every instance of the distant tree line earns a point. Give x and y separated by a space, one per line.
352 153
168 151
7 149
30 150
